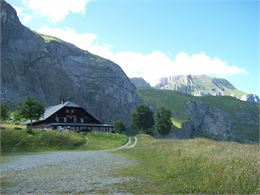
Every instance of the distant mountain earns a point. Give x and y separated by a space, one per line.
202 85
50 69
220 118
140 83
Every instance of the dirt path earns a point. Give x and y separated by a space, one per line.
64 172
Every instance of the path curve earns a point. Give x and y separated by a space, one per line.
130 144
65 172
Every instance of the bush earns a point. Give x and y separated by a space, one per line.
4 111
119 127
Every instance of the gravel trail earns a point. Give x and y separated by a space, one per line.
63 172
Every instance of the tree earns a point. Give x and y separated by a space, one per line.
16 117
142 119
4 111
119 127
163 121
31 109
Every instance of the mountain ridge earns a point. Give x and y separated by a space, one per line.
203 85
50 69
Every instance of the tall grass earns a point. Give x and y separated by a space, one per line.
193 166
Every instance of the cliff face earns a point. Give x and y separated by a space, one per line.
220 118
213 122
140 83
50 69
202 85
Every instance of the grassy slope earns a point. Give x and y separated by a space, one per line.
20 141
167 98
176 102
192 166
13 141
102 141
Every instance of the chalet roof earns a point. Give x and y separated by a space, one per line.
51 110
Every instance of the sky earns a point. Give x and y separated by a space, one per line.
159 38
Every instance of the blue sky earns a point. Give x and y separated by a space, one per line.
156 38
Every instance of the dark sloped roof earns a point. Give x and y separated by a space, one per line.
51 110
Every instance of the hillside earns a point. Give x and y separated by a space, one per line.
223 118
50 69
140 83
202 85
16 139
193 166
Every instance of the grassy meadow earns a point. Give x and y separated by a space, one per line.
192 166
103 141
16 139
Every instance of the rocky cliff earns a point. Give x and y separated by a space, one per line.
207 120
221 118
50 69
202 85
140 83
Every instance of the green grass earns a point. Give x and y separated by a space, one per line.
177 122
19 141
12 126
48 38
172 100
176 101
192 166
103 141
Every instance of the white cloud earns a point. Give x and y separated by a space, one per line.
24 18
150 66
83 40
56 10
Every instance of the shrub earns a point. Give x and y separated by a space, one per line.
119 127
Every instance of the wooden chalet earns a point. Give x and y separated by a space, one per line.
69 116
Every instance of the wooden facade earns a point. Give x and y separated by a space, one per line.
69 116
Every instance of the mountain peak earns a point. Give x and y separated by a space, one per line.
198 85
203 85
10 24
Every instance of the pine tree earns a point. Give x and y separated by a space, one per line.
163 122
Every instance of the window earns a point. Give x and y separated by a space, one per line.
65 119
67 111
75 119
57 119
81 120
72 111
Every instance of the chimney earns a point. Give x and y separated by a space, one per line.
62 101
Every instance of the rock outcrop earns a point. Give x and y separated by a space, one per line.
220 118
250 98
50 69
140 83
202 85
